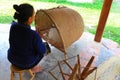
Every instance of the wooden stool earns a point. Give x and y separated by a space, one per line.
15 69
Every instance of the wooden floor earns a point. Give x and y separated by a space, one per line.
85 47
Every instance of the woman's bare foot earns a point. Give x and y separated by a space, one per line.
37 69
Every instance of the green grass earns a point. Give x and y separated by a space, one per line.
90 13
96 5
110 32
5 19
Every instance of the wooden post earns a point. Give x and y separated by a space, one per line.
103 19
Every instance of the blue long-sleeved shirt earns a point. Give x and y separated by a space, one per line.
26 46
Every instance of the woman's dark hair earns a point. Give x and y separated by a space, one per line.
23 12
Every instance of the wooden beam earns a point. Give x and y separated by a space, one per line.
103 19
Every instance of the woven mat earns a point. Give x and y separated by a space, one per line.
109 70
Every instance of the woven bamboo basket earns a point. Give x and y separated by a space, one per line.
60 26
